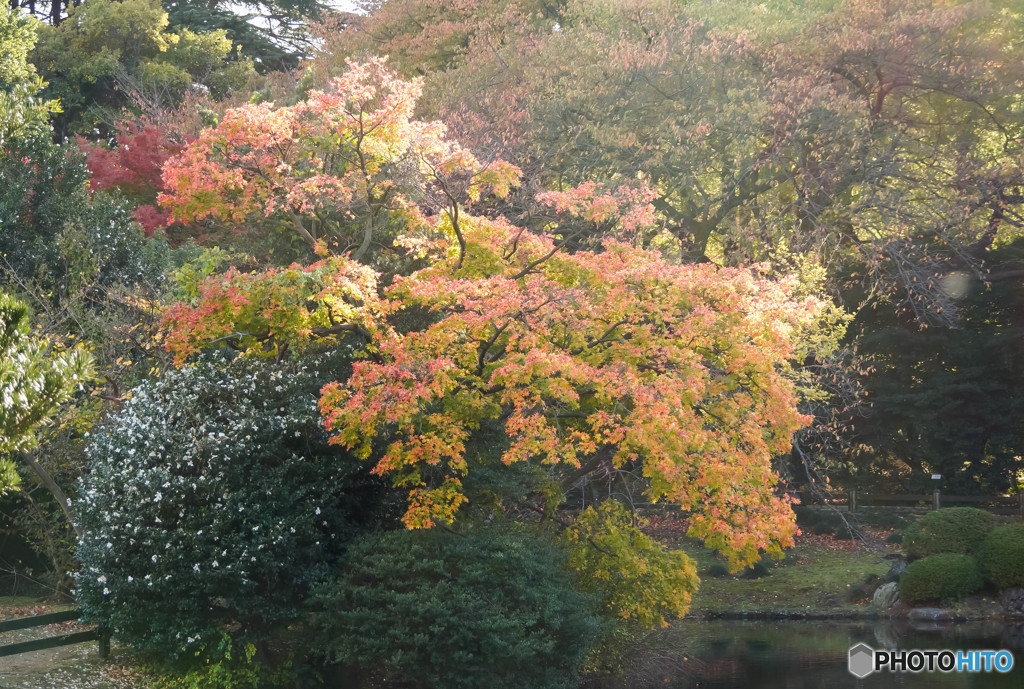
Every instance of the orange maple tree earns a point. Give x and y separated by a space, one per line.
589 360
333 168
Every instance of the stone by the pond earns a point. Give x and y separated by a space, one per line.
886 596
1012 600
930 615
896 568
930 619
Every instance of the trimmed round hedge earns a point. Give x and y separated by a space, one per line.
1002 556
949 530
940 576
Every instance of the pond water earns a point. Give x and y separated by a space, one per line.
809 655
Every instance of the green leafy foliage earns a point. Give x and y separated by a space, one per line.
434 608
56 235
940 577
226 667
32 381
271 33
213 503
109 55
1002 556
637 579
21 112
949 530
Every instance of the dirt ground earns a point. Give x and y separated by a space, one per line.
69 667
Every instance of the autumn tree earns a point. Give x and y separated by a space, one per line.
337 171
874 144
133 166
588 361
421 36
881 134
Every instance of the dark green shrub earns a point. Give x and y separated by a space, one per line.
214 503
882 518
433 608
940 576
759 569
717 570
822 521
949 530
1002 556
59 235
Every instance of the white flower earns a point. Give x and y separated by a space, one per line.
102 579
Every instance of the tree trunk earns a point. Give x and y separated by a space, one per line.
55 491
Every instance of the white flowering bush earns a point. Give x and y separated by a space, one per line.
213 503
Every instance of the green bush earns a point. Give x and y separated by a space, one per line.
759 569
213 503
434 608
1002 556
822 521
949 530
717 570
941 576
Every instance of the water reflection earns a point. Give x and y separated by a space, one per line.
808 655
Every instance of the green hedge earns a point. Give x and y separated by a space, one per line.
941 576
433 609
949 530
1002 556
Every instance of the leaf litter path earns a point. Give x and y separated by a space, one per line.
69 667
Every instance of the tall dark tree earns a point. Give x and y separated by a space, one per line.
949 400
270 32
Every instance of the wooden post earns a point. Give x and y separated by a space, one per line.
935 499
104 639
851 505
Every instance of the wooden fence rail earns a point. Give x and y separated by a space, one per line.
52 641
998 504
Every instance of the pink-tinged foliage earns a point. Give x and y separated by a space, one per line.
630 206
328 164
151 218
134 167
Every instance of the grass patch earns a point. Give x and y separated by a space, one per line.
812 579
